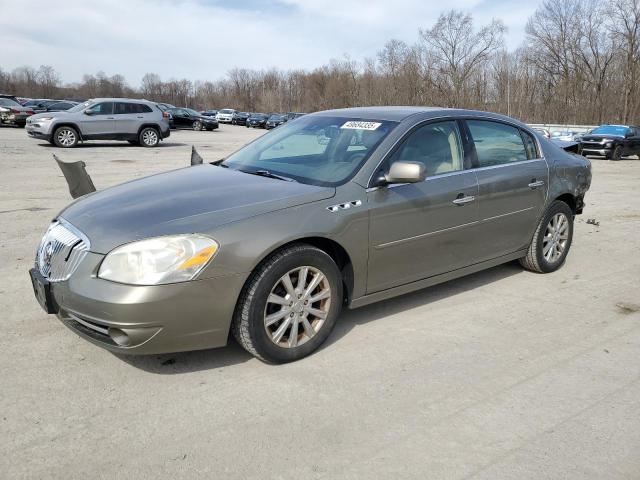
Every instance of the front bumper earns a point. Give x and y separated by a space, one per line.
601 152
133 319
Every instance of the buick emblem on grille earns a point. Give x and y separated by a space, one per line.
48 253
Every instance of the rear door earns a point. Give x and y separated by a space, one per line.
513 179
126 118
98 121
419 230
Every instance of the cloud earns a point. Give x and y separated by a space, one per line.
204 39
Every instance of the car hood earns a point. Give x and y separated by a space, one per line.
60 114
597 138
193 199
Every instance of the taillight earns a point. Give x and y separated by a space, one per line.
165 114
13 110
30 112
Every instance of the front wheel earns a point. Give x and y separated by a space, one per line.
65 137
197 125
551 240
149 137
617 153
289 305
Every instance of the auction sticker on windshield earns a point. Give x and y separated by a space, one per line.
361 125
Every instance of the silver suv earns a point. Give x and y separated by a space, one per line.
138 121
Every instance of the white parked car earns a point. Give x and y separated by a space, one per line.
225 115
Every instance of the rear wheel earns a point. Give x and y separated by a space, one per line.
149 137
551 240
65 137
289 305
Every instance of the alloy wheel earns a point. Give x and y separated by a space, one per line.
150 137
555 238
66 137
297 306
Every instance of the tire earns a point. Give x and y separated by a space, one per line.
65 137
297 329
197 125
617 153
149 137
539 260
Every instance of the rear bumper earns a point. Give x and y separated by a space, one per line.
132 319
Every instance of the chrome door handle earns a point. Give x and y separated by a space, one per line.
111 118
464 200
536 184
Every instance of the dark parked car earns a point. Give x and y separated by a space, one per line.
38 105
59 106
12 113
611 141
274 121
240 118
192 120
337 208
294 115
257 120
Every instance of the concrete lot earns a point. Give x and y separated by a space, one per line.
503 374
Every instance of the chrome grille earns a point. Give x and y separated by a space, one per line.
61 250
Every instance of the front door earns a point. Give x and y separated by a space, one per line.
423 229
98 121
513 180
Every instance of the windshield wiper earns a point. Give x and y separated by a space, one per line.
267 173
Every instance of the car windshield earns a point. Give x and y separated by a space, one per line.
7 102
81 106
258 116
618 130
276 117
318 150
191 112
226 110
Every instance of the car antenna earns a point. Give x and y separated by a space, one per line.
78 180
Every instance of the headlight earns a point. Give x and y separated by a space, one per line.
159 260
44 119
608 145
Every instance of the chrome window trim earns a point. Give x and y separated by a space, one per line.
455 118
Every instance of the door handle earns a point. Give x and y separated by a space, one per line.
111 118
140 116
536 183
462 200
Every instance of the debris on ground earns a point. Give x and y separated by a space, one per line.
592 221
628 307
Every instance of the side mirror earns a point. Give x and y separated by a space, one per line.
406 172
88 112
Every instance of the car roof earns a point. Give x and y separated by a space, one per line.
134 100
398 114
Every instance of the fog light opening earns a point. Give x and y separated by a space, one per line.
119 336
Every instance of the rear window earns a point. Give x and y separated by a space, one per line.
7 102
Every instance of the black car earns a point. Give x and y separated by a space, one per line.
611 141
240 118
257 120
189 118
275 120
294 115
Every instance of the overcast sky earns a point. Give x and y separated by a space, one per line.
203 39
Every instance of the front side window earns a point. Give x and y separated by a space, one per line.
318 150
436 145
496 143
104 108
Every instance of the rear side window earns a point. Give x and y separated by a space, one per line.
496 143
529 145
141 108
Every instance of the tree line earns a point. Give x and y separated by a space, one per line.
579 63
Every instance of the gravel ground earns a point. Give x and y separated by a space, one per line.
502 374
